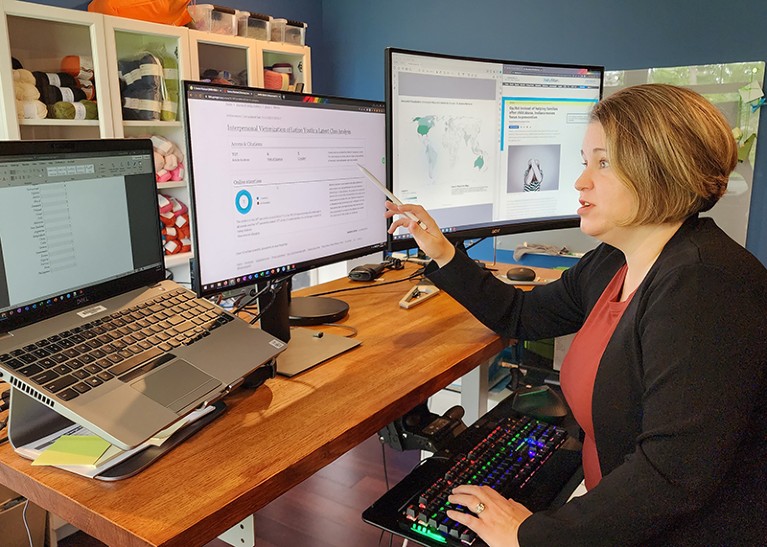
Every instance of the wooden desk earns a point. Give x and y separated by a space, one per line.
274 437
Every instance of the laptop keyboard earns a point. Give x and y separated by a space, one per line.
75 361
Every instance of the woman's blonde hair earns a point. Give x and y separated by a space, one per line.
670 146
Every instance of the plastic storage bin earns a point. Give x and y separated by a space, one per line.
278 29
216 19
295 33
254 25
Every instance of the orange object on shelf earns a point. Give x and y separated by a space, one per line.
169 12
276 80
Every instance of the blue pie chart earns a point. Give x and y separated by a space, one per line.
243 201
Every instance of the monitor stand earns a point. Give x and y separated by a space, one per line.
306 348
316 310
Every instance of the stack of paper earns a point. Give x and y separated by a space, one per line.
78 450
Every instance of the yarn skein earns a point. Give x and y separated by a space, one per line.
82 110
51 94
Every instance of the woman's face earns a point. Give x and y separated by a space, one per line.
605 201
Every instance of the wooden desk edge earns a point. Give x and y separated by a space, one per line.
34 483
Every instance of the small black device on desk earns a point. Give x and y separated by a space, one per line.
520 273
366 272
531 461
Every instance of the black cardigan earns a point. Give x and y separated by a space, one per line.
680 397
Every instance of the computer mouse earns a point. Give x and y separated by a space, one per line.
520 273
540 402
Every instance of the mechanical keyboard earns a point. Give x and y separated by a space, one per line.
74 361
518 456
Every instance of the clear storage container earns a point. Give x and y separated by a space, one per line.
254 25
278 29
295 32
216 19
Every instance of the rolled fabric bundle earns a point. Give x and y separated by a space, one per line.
25 91
161 144
170 84
172 247
171 162
15 63
24 76
51 94
177 173
59 79
165 147
19 110
163 175
164 204
141 104
184 232
168 218
81 110
159 161
208 74
34 110
79 67
182 223
88 88
141 87
143 72
179 207
276 80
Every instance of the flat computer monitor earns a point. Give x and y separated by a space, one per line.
489 147
276 189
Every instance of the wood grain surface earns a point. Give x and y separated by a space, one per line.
272 438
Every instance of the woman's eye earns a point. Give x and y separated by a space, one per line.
604 164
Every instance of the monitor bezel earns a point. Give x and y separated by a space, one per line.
491 229
304 98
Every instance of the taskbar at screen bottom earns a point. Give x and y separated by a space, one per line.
249 279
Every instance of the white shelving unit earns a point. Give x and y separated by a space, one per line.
299 57
39 36
127 39
233 54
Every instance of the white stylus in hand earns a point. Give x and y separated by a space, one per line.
394 199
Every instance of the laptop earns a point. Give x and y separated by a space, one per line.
90 329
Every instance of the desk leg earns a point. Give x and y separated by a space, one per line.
243 534
474 388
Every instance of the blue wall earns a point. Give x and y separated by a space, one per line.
348 38
618 35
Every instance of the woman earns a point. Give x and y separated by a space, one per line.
667 373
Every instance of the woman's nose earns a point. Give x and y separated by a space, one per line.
583 181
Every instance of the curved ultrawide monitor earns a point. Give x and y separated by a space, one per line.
275 185
489 147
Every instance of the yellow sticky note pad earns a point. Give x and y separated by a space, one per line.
73 450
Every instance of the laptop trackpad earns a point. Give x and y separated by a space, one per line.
176 385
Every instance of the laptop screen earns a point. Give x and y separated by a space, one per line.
78 223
